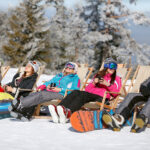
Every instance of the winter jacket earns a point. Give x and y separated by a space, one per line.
100 89
25 83
71 82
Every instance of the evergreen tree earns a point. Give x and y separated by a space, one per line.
111 17
28 37
70 37
3 30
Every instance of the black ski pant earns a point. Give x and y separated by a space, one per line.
127 106
77 99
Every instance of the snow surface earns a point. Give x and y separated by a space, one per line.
44 134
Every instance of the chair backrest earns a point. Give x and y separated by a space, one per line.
141 74
39 72
84 73
124 73
121 65
21 69
4 70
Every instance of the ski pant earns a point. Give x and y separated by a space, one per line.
131 100
77 99
36 98
146 110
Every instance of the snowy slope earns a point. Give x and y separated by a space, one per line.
44 134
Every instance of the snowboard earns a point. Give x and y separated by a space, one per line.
84 121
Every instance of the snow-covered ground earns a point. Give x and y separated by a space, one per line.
44 134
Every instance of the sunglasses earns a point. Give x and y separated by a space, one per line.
70 66
111 66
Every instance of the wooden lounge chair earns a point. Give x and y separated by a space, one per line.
39 72
124 73
141 74
7 102
84 72
4 70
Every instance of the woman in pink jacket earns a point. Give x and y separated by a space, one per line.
105 80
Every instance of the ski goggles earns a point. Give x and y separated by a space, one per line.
70 66
33 62
111 66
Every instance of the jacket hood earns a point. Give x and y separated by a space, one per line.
70 75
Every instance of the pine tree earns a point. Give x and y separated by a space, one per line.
28 37
111 17
70 37
3 30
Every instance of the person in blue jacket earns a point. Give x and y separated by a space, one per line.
53 89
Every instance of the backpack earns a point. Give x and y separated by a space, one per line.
145 87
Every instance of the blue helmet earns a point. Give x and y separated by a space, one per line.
110 63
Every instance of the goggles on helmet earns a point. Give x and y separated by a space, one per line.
70 66
111 65
33 62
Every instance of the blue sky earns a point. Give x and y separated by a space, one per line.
141 5
140 33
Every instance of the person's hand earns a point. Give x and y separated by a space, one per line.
96 80
56 89
9 89
49 87
104 82
38 90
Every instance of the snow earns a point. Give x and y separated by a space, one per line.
44 134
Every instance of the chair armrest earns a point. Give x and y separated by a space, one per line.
30 90
66 92
113 92
19 89
101 104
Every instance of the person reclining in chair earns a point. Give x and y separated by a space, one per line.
24 80
53 89
125 109
105 80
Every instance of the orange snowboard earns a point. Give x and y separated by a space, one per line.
83 121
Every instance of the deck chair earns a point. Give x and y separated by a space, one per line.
124 73
121 65
84 72
141 74
39 72
4 70
4 104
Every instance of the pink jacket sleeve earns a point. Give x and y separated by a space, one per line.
41 87
89 87
116 86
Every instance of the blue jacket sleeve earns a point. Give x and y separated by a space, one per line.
74 85
53 80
